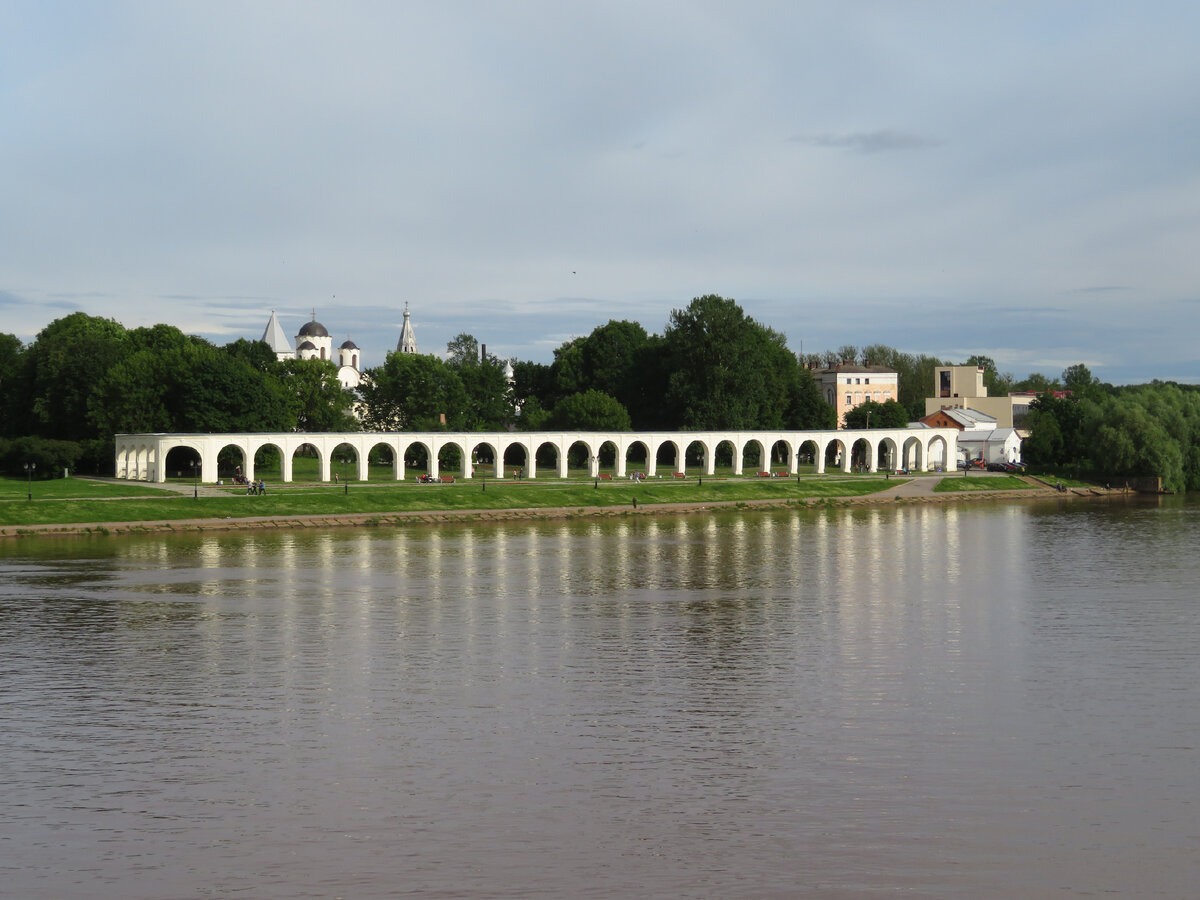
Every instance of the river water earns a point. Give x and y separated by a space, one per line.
981 700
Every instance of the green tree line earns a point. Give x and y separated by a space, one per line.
84 379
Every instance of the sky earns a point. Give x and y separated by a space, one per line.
1019 180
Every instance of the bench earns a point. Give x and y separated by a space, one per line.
606 476
447 479
781 474
680 475
764 475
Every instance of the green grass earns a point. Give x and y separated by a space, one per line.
331 500
981 482
72 488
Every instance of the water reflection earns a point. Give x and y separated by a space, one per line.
829 703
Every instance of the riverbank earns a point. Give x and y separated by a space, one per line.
916 490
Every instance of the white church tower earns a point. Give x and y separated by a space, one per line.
408 340
274 338
313 341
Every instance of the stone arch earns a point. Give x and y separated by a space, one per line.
383 461
703 454
755 456
629 459
266 461
913 455
547 454
345 463
233 460
609 457
836 455
450 457
179 461
860 454
308 462
933 446
580 454
516 457
887 455
668 453
417 454
485 457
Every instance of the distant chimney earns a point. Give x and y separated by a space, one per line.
483 352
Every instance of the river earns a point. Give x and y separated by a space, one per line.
977 700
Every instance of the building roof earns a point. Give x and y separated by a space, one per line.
969 418
348 345
408 340
274 337
307 345
313 329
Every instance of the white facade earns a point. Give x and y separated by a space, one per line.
142 457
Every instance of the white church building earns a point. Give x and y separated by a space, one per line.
313 341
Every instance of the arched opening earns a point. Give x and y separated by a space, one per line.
606 456
695 456
779 454
860 455
667 457
516 460
450 459
181 464
579 459
912 455
886 456
381 462
637 457
343 463
306 463
268 463
754 457
231 463
545 455
416 460
483 459
836 456
807 456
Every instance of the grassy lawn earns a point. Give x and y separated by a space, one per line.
982 483
72 488
377 497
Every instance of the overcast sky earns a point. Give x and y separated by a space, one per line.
1020 180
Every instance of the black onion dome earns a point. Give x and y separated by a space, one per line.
307 345
348 345
313 329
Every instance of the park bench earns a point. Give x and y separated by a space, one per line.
781 474
447 479
680 475
606 476
764 474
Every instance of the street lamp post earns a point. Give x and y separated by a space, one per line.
29 467
597 473
196 476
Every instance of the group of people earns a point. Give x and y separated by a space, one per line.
256 487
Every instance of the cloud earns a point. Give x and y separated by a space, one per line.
882 141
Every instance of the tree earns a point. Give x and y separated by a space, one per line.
14 386
411 392
257 353
872 414
726 370
1078 379
489 403
589 411
807 409
316 399
462 350
69 356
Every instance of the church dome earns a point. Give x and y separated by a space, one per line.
313 329
348 345
307 345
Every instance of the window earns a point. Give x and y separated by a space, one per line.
866 381
848 403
